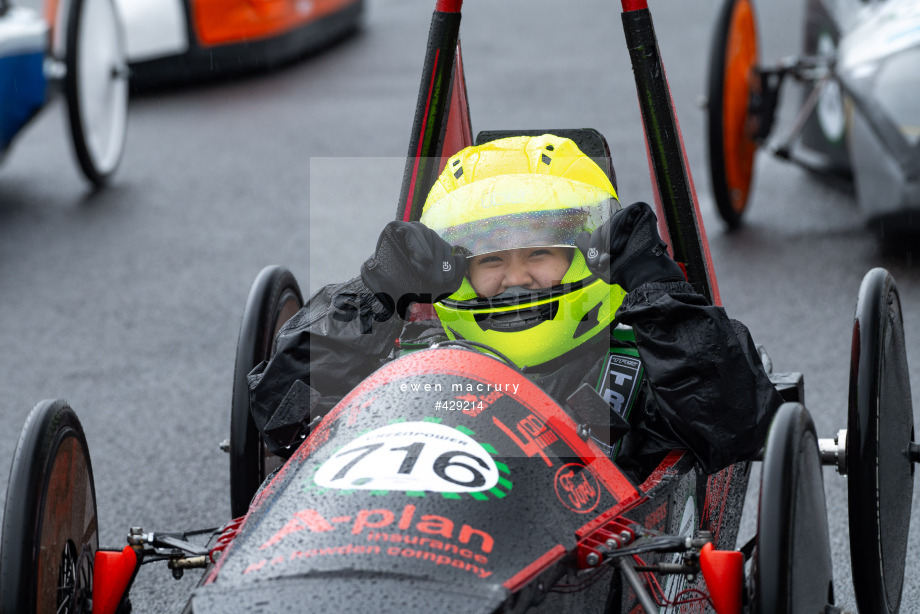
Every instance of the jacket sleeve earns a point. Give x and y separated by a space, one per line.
705 372
342 335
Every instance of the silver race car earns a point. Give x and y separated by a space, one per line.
859 118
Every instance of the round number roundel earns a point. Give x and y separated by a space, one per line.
410 456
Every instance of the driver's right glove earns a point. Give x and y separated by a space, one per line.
412 264
626 250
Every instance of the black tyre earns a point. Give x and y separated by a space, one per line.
792 569
50 532
96 86
732 62
879 433
273 299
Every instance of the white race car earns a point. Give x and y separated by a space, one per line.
177 40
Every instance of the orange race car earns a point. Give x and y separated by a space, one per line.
177 40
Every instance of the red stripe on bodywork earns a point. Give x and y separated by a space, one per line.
663 468
418 153
523 577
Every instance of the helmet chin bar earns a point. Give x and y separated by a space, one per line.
518 320
517 295
515 292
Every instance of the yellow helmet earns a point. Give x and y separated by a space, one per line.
525 192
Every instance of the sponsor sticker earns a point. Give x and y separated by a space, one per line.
577 488
406 533
532 437
411 456
619 381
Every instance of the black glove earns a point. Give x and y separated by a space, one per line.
412 264
626 250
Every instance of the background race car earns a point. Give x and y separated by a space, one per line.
858 119
175 40
79 48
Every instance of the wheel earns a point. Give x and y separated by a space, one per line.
96 86
273 299
732 61
825 129
879 433
50 534
792 569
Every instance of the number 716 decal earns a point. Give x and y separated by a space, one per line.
411 456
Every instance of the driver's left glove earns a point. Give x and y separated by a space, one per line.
626 250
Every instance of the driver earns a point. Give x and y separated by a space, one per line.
523 248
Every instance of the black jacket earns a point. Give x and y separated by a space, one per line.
704 389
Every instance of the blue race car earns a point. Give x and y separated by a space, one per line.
79 49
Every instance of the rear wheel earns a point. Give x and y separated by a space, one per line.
273 300
50 533
879 434
96 86
732 75
792 569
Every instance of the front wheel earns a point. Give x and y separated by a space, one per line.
792 570
50 533
96 86
273 300
732 75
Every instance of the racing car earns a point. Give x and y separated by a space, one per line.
172 41
79 49
390 505
857 122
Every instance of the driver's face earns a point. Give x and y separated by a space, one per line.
529 267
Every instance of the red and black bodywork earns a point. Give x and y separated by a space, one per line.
447 481
400 500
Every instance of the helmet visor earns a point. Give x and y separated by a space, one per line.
513 211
